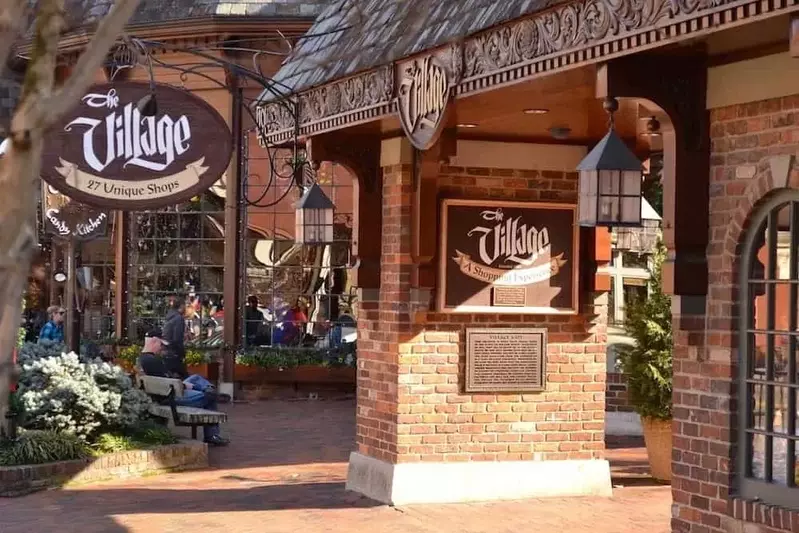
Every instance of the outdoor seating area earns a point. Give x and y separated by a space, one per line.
166 391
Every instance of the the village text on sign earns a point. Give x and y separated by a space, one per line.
508 257
422 97
104 153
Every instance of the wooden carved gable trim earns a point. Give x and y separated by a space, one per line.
580 33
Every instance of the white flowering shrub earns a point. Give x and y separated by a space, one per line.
63 394
33 351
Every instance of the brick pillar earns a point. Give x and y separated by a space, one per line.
385 314
420 438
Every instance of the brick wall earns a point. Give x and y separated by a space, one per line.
705 353
616 399
411 362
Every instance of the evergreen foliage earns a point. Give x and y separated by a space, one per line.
64 394
647 366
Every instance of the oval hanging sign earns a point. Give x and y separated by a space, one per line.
106 154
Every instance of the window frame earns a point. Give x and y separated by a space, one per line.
751 488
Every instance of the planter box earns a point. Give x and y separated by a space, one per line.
209 371
301 374
24 479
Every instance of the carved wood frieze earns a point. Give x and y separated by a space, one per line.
567 29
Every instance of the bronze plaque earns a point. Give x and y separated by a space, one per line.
505 359
493 251
510 296
105 153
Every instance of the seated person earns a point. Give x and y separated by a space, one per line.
199 392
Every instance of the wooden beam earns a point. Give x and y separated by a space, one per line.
360 154
678 85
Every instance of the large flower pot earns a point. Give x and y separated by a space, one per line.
657 435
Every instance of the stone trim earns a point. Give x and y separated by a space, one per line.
24 479
579 33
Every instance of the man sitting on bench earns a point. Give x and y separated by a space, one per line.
199 391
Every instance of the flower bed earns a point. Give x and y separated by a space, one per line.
278 365
24 479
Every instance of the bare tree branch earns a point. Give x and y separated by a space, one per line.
11 16
107 33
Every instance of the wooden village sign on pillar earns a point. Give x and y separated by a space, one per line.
424 88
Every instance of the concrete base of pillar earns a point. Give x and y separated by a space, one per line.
411 483
226 388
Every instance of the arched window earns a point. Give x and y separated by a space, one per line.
769 338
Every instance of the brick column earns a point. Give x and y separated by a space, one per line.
420 438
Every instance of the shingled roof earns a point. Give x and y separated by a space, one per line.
351 36
90 12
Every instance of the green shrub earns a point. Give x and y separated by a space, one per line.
112 443
280 357
82 398
33 351
142 436
153 434
196 357
647 365
37 447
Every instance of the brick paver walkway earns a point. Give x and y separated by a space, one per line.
285 472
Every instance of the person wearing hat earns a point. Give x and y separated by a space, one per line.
199 392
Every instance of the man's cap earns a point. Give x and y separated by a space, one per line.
156 333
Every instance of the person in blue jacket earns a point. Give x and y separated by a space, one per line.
53 330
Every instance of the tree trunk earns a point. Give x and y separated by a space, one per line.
20 167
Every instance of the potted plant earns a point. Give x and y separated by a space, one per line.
127 356
647 367
199 362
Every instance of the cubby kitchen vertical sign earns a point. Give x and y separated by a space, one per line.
508 257
106 153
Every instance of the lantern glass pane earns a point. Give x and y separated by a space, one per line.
608 209
631 210
328 233
588 183
632 182
587 198
328 216
609 181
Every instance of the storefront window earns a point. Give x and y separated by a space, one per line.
769 382
296 294
97 298
179 250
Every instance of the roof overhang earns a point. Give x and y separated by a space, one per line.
190 29
589 32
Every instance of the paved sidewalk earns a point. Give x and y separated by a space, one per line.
285 471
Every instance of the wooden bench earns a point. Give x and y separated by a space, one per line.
165 391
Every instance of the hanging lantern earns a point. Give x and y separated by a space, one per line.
314 217
610 181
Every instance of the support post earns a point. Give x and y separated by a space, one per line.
233 244
121 264
678 85
71 333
